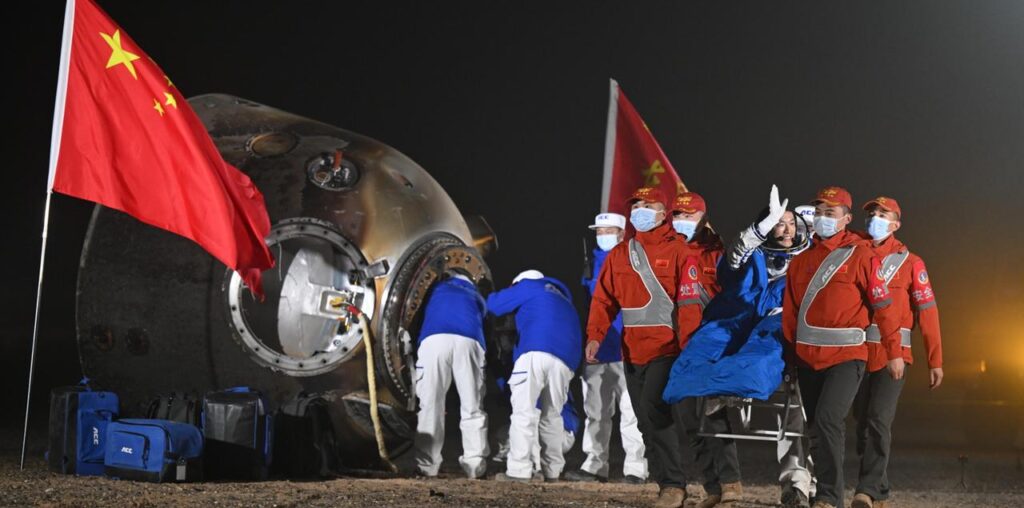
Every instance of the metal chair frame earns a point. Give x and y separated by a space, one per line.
793 402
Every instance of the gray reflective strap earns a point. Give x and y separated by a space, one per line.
892 264
819 336
875 335
658 311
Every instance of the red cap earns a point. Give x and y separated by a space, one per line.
834 196
887 204
689 202
648 194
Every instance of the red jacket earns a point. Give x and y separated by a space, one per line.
845 302
618 285
914 300
700 268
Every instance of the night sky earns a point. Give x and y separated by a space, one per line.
505 105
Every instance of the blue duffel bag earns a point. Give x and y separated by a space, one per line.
79 418
153 451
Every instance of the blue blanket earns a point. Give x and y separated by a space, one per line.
738 348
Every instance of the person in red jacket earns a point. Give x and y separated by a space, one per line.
831 293
704 246
642 278
914 301
716 458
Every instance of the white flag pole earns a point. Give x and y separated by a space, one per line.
58 124
609 145
35 328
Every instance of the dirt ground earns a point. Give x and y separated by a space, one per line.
921 478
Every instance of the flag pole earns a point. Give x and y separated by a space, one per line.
35 327
609 144
55 135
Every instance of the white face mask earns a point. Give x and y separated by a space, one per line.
607 241
825 227
878 228
685 227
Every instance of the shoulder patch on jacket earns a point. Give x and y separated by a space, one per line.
661 263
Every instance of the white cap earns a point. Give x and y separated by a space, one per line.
609 220
805 211
528 274
806 214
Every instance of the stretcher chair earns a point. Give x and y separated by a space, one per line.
783 402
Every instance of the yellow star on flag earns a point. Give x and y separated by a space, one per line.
158 107
118 55
651 174
168 80
170 100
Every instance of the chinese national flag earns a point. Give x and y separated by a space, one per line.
125 137
632 157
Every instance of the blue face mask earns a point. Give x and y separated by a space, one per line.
607 242
878 228
685 227
643 219
825 227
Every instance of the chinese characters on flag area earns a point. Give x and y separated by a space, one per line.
126 138
632 157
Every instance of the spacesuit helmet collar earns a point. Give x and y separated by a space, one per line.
777 257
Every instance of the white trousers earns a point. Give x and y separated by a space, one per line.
569 439
604 389
537 376
794 457
441 359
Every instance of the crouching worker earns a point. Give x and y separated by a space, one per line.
451 348
548 352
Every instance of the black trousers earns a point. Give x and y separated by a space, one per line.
874 408
655 419
828 395
716 457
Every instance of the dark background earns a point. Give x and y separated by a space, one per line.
505 105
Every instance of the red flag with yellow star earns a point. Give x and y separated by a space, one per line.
632 157
126 138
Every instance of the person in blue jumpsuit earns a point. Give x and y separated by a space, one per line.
451 349
737 351
549 351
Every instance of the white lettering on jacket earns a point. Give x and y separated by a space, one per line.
125 449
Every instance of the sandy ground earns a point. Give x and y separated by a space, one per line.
921 478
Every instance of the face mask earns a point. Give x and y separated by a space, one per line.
643 219
825 227
607 241
878 228
685 227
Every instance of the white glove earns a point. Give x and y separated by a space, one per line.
775 211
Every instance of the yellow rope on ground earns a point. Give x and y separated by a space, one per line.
371 381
